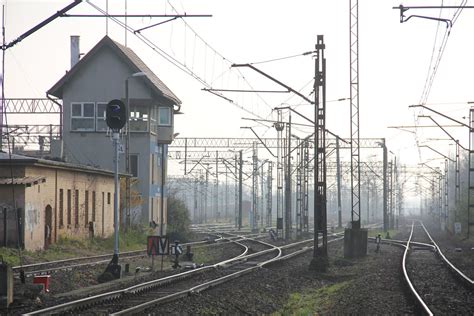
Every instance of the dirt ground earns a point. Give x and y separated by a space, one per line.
369 285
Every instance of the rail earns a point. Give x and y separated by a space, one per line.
407 278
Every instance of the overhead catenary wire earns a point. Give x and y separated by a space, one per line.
434 66
173 60
207 45
280 58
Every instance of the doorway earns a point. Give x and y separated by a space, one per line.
48 224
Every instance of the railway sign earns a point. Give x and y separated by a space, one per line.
157 245
176 249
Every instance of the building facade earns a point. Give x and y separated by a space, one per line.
112 71
43 200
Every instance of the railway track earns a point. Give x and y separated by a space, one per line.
136 299
49 267
437 286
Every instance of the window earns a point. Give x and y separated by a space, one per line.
108 197
101 125
82 116
61 208
69 207
134 165
139 118
164 116
93 206
86 207
76 208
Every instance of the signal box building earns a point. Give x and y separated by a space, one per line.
43 200
112 71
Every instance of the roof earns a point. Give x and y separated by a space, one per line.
130 57
19 160
28 181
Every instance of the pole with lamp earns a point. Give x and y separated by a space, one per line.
127 150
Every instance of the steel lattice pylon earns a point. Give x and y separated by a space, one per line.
320 220
254 223
298 191
305 187
354 96
470 195
269 194
280 197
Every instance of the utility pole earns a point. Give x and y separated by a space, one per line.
298 191
262 209
306 187
217 185
385 188
226 195
240 189
390 196
440 200
320 251
338 181
354 96
269 193
457 184
368 198
195 202
254 213
280 196
287 233
397 194
236 191
470 193
206 186
446 186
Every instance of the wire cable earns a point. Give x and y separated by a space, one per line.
174 61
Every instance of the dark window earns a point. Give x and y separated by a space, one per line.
82 116
108 197
86 208
93 206
76 109
76 208
61 208
69 207
164 116
88 109
134 165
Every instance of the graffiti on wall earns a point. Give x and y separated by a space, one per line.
32 218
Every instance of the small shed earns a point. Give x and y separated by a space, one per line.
42 200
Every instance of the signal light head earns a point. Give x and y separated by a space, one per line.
116 115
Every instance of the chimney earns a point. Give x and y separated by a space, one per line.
74 50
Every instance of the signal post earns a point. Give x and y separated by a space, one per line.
116 118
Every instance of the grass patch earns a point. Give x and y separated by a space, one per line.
10 256
72 247
312 301
203 255
374 233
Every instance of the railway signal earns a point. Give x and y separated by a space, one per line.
116 115
115 118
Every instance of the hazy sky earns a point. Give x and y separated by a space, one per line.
394 60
